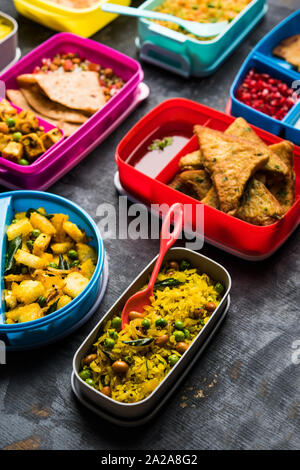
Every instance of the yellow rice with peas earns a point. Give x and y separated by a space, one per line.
203 11
127 365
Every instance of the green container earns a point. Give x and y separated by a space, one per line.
186 56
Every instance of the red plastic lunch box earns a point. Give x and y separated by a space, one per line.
220 229
49 168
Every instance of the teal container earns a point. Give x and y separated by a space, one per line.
186 56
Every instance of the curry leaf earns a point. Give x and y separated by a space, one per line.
139 342
13 247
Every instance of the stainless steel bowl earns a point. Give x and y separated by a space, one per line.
144 407
8 45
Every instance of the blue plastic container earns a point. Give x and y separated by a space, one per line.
263 60
44 330
186 56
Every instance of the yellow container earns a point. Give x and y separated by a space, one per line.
83 22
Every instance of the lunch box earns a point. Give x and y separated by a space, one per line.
46 170
133 411
187 56
224 231
83 21
262 59
39 332
8 44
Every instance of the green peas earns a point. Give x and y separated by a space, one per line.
90 382
187 334
53 265
128 359
17 136
113 334
11 122
219 288
75 263
161 323
24 270
173 359
30 244
85 374
146 324
179 336
23 162
109 343
72 254
14 221
116 323
41 301
179 325
35 233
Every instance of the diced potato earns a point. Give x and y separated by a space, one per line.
51 283
32 261
4 140
9 321
51 137
47 258
28 291
25 313
87 268
73 231
64 300
58 221
41 244
33 145
21 227
10 299
86 252
61 248
75 283
13 151
20 215
42 223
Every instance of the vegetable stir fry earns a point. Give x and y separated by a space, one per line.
22 139
48 263
127 365
203 11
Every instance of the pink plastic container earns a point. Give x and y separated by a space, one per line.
70 151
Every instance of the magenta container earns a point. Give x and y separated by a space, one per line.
69 152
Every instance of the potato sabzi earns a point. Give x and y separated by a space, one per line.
49 262
22 139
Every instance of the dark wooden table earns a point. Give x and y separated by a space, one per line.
244 392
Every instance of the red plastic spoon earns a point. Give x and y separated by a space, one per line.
141 299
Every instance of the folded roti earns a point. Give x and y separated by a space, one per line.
17 98
240 128
41 103
231 161
80 91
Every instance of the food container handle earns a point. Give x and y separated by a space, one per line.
168 238
157 55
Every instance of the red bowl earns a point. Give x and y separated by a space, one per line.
220 229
